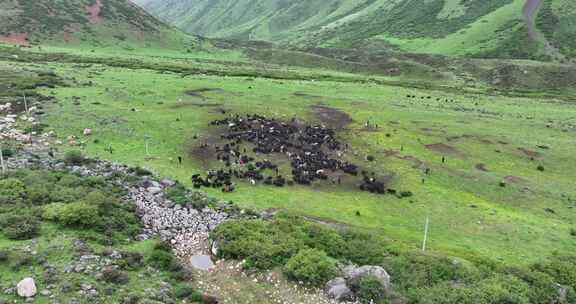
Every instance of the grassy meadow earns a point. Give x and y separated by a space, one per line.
489 199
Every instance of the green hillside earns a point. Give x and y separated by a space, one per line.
95 23
495 28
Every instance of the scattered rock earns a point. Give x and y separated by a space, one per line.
355 275
26 288
338 290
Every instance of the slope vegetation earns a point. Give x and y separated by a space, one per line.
494 28
83 22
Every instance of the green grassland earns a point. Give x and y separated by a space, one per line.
471 213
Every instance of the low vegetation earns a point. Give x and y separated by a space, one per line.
75 236
312 253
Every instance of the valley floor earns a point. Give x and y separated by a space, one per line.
504 192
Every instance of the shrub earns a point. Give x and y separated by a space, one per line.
163 260
132 260
4 256
183 291
12 191
370 290
140 171
79 214
22 260
561 267
8 152
372 248
19 226
115 276
311 266
326 239
177 194
540 168
182 275
38 194
263 244
74 158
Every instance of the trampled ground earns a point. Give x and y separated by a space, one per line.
488 199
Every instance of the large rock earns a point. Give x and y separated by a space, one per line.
354 276
27 288
338 290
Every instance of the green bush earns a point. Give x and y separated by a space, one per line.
115 276
373 248
326 239
8 152
183 291
311 266
262 244
12 191
162 259
370 290
500 289
77 214
131 260
74 158
561 267
38 194
4 256
140 171
19 226
177 194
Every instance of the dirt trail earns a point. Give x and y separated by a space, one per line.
15 38
530 12
94 12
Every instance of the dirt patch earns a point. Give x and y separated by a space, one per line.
481 167
530 153
204 148
443 149
511 179
94 12
418 164
389 153
195 104
16 38
305 95
198 92
331 117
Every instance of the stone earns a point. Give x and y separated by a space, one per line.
155 190
214 248
45 292
338 290
201 262
27 288
353 276
167 182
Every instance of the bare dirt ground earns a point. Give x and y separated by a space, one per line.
234 286
444 149
530 153
199 92
331 117
15 38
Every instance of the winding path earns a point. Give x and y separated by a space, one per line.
530 12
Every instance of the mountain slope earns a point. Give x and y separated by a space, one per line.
495 28
87 22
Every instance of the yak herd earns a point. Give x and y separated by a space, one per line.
313 151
